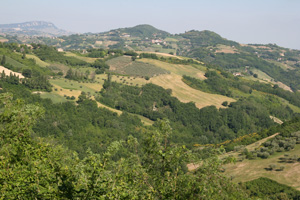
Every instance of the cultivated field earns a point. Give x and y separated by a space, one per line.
56 98
76 86
187 94
124 65
178 69
119 62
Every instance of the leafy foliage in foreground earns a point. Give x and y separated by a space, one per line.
32 169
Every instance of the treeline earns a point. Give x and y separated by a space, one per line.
289 136
102 53
268 189
241 60
32 168
214 83
77 127
168 59
48 53
206 38
224 83
39 82
191 125
8 52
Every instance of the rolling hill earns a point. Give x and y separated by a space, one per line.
107 86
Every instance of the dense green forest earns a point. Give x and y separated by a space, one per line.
32 168
207 125
49 53
241 60
265 188
224 83
77 127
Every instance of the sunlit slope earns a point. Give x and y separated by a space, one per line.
187 94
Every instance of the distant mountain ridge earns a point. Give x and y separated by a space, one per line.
33 28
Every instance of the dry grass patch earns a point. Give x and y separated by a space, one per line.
61 91
248 170
8 71
187 94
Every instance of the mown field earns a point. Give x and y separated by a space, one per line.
252 169
187 94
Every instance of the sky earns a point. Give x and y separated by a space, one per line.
244 21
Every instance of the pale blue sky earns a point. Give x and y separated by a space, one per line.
245 21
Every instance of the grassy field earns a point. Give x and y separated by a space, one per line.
76 86
263 77
56 98
252 169
187 94
128 80
55 67
86 59
38 60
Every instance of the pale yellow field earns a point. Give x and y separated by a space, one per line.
8 71
61 91
187 94
248 170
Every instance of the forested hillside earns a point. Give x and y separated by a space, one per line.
127 116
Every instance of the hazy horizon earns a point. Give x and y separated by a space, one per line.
260 22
